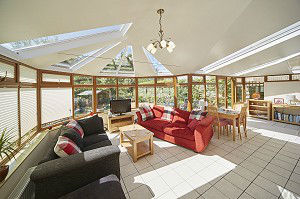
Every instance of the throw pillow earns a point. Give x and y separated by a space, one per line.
181 116
193 124
168 114
92 125
146 112
74 136
195 114
158 111
65 147
73 124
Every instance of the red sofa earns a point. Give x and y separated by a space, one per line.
176 131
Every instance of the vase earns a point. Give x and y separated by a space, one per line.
3 172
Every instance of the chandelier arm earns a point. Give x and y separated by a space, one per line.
161 32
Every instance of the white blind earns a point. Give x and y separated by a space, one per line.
27 74
28 109
7 69
55 78
56 104
9 110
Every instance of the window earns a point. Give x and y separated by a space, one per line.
221 87
296 77
83 80
106 81
127 93
56 105
254 79
198 79
83 101
143 81
197 94
229 93
182 79
27 74
239 93
104 95
126 81
7 70
278 78
165 96
146 95
165 80
211 94
158 68
55 78
182 97
254 91
210 79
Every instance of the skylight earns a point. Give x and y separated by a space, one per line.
19 45
159 69
121 64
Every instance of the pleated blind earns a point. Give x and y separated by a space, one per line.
28 109
7 70
9 110
27 75
56 104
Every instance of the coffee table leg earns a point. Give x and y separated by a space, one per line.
134 151
151 145
121 138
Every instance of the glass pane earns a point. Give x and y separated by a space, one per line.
146 95
229 100
106 81
182 97
197 79
164 80
7 70
182 79
104 95
165 96
83 80
83 101
146 81
296 77
211 94
210 79
221 85
56 105
254 91
27 74
238 80
254 79
278 78
126 81
239 93
197 94
55 78
127 93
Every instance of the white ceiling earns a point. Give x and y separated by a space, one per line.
204 31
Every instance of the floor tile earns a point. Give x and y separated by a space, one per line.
128 169
184 190
245 173
228 189
252 167
293 186
274 177
132 182
259 193
278 170
172 178
213 193
167 195
267 185
246 196
157 187
141 192
148 174
286 165
237 180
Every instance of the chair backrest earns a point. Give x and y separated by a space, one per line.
243 112
213 111
238 106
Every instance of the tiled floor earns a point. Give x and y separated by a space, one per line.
264 165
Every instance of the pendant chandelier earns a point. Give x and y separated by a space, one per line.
161 42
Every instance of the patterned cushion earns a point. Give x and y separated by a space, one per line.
168 114
73 124
65 147
193 124
146 112
195 114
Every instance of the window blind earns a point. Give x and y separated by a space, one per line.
27 75
56 104
9 110
55 78
7 69
28 108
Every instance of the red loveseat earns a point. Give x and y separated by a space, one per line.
177 131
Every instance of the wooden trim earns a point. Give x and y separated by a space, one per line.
136 93
175 91
39 101
217 91
244 89
73 102
155 98
94 97
226 93
190 93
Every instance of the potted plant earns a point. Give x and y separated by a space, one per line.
6 150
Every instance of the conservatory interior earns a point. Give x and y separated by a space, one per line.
158 99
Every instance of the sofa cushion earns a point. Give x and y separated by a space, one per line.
197 114
181 116
206 121
168 114
146 112
158 111
93 139
65 147
193 124
179 130
156 123
92 125
73 124
74 136
97 145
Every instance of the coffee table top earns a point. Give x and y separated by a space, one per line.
136 132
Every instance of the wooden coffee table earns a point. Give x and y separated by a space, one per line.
136 137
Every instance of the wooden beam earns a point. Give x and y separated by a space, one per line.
190 93
155 81
95 97
217 91
136 93
73 93
175 91
226 93
39 101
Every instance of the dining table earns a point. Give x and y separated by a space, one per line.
230 114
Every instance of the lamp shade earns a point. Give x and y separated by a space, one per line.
150 47
171 44
163 43
153 50
170 49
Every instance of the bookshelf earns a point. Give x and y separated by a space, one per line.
260 109
289 111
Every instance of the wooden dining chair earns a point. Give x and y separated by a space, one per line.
242 120
219 123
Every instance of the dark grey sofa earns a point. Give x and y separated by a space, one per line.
55 177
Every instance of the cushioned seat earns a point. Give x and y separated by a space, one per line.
179 130
156 123
93 139
97 145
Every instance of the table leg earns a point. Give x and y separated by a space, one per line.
121 138
233 129
239 128
151 145
245 127
134 151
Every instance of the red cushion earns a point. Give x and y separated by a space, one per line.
156 123
181 116
73 124
179 130
65 147
158 111
206 121
193 124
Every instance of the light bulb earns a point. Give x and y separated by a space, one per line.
163 43
171 44
170 49
153 50
150 47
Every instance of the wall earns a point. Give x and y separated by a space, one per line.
281 90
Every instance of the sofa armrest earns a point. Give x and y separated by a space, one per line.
203 133
139 117
58 177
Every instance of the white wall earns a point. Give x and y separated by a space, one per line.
281 90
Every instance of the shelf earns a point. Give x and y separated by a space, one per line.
260 108
259 116
283 121
258 111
